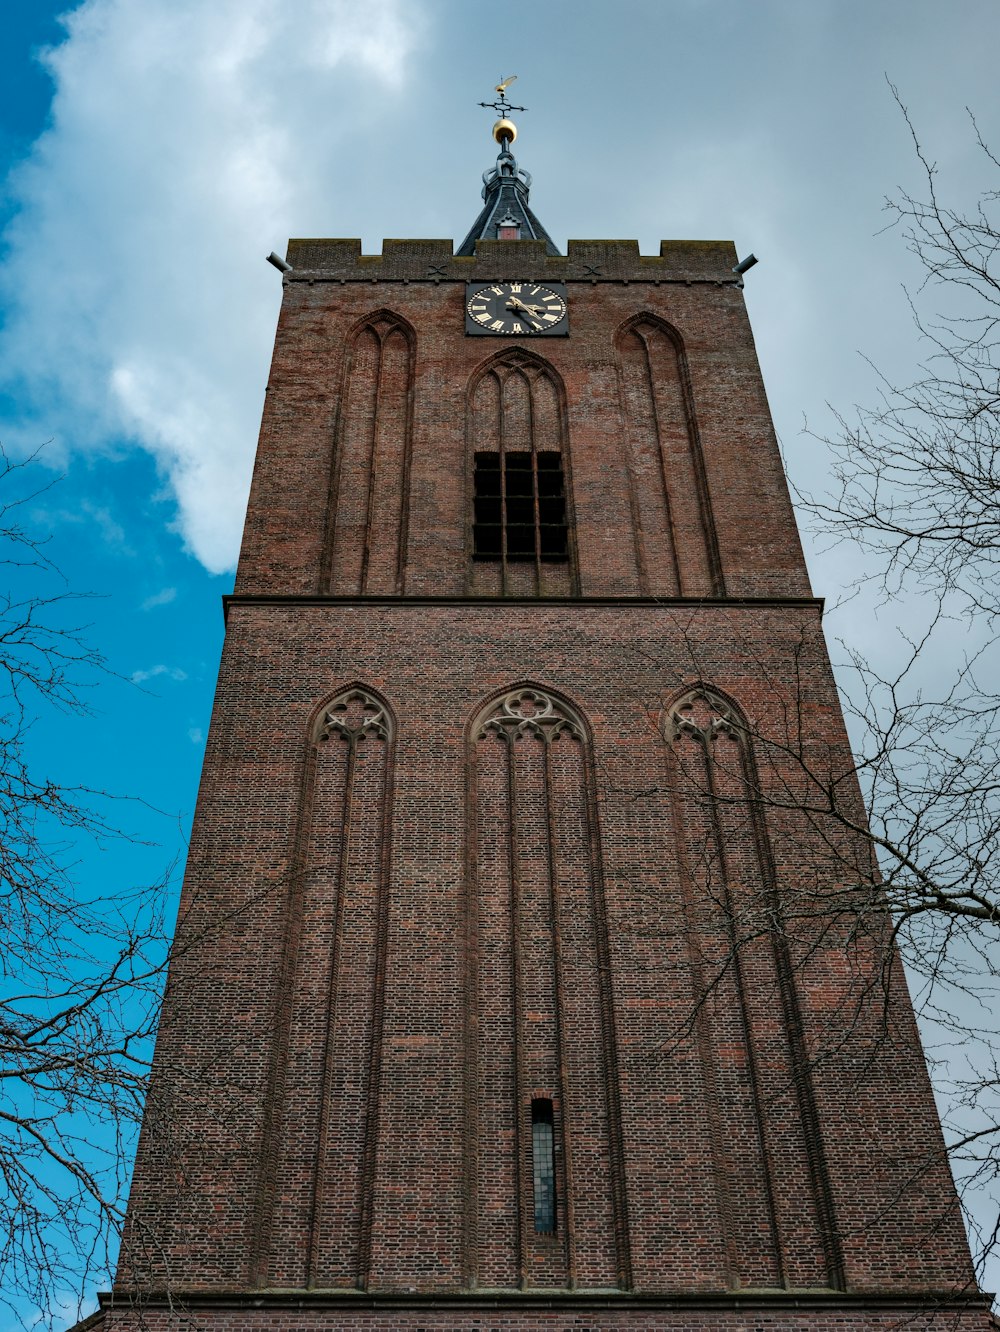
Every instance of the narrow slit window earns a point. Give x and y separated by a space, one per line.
519 508
543 1166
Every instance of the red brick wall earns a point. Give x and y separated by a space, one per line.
247 1011
454 851
721 463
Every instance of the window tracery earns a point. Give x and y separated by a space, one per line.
334 985
529 712
354 715
760 1074
702 715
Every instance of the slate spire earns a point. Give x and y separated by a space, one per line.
506 214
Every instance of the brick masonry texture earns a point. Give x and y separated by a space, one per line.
472 835
287 543
946 1318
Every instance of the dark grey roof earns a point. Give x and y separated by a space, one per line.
505 190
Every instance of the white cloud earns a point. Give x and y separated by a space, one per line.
187 140
171 672
111 530
162 598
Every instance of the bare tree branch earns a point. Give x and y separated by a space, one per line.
80 977
916 485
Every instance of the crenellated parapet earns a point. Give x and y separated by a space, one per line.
595 261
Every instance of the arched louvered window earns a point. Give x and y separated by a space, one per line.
520 507
521 532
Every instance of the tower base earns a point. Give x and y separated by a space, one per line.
735 1311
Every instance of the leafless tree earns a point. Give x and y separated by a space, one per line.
80 975
918 475
899 843
917 487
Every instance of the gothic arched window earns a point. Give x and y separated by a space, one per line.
763 1106
317 1199
675 541
521 535
369 510
545 1170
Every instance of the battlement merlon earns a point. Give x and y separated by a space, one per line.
585 261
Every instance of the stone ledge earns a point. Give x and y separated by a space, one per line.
475 603
778 1300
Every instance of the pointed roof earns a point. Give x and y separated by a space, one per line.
505 191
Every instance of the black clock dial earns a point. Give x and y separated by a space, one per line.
515 309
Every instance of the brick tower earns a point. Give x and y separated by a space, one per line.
514 985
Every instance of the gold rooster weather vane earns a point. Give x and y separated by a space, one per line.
504 131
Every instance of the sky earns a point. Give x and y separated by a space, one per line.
155 151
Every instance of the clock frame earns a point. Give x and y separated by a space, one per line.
517 308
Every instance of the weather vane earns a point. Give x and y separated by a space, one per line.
504 131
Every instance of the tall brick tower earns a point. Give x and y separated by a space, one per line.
517 983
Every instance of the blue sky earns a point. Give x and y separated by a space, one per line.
155 151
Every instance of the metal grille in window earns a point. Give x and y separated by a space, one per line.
543 1166
520 507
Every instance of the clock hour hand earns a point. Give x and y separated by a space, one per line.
531 311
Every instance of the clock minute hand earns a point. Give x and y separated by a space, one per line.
532 310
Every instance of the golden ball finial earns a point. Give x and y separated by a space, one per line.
505 132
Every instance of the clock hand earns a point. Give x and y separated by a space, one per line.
529 311
515 304
528 315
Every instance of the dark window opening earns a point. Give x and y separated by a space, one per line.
543 1166
519 508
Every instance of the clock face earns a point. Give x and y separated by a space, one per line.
516 309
